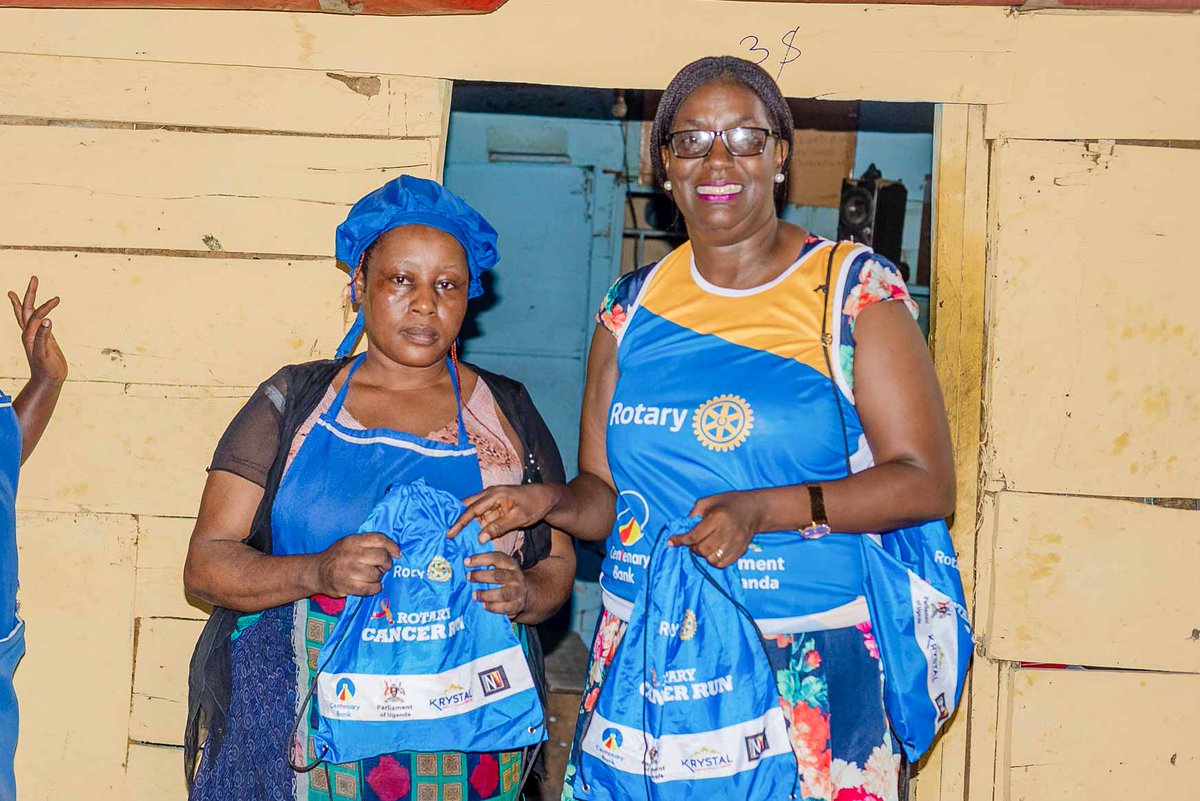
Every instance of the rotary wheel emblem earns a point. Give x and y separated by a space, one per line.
687 630
438 570
723 423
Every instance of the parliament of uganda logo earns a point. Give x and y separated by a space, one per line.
688 629
723 423
438 570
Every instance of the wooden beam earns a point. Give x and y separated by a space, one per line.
956 326
954 54
1092 327
144 94
182 190
252 316
1101 734
387 8
1094 581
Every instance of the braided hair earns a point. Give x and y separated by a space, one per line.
710 70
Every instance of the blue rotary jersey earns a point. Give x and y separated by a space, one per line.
722 390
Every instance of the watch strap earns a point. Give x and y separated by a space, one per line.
819 526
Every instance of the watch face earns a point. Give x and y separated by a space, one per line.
815 531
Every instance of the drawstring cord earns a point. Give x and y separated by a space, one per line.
826 341
312 688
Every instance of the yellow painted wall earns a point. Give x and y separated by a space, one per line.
176 177
185 213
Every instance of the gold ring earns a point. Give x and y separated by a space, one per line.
717 554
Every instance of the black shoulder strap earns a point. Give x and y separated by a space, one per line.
306 386
826 342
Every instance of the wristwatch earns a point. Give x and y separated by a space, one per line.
819 526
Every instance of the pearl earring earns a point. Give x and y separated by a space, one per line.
666 186
778 177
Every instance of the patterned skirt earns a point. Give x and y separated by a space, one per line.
273 662
830 687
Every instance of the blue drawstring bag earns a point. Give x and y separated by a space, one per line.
689 708
422 666
919 618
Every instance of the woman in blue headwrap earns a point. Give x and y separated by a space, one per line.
300 468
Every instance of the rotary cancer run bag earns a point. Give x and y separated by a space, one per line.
689 707
919 618
422 666
916 605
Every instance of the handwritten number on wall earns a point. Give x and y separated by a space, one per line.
754 48
760 55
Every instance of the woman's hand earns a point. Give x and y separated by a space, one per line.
46 361
355 565
502 509
728 522
512 594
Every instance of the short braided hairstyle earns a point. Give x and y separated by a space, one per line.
711 69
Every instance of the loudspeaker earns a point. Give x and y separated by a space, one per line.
872 212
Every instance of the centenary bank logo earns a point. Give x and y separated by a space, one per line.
723 423
494 680
756 746
687 630
611 739
438 570
633 518
344 690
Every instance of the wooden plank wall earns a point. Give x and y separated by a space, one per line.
1081 349
1088 543
185 214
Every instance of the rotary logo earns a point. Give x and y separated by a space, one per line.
438 570
723 423
688 630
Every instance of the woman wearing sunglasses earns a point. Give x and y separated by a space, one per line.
759 378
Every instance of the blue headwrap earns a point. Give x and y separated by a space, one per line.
413 201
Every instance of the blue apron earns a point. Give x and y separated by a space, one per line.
12 630
341 473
